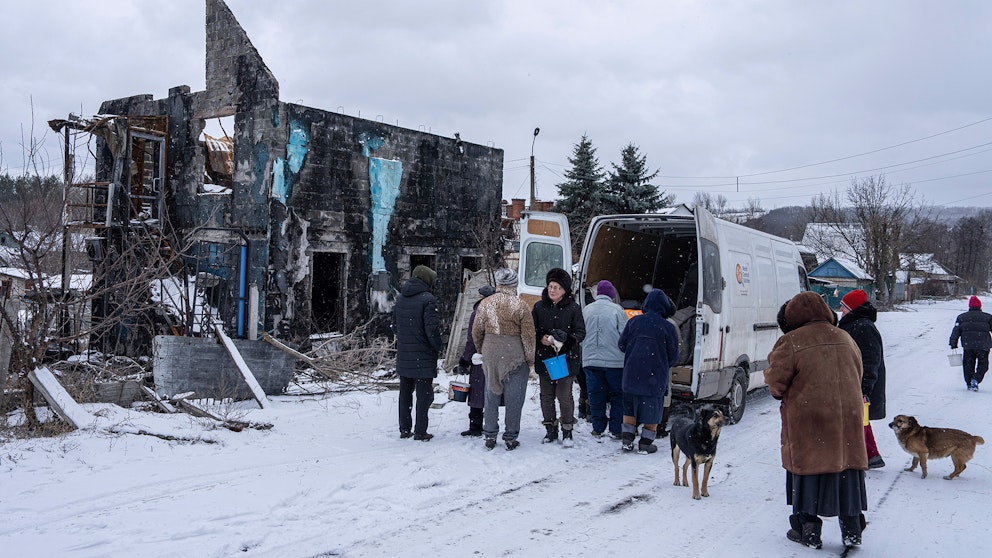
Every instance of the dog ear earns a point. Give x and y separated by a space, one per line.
912 421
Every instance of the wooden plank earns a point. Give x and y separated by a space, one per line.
289 350
242 366
162 404
197 411
61 402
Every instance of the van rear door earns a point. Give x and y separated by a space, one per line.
544 244
708 353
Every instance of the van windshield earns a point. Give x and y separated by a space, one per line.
540 258
712 279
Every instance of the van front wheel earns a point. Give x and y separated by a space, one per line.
737 397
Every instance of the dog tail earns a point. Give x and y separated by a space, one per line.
979 440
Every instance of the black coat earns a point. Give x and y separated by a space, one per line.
860 325
417 323
973 328
566 316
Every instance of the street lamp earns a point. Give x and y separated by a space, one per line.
533 198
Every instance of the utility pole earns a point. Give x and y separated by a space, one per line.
533 196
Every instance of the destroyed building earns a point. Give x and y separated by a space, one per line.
319 216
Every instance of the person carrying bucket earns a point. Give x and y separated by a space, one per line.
559 330
858 320
503 332
973 329
650 343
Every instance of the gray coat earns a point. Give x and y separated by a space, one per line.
605 321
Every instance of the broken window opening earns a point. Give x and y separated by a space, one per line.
327 295
422 259
218 155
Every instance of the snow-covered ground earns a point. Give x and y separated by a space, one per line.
332 478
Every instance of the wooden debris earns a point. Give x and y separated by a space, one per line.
279 345
59 399
158 400
242 366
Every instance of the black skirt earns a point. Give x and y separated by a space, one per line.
827 494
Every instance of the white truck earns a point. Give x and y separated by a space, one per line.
727 283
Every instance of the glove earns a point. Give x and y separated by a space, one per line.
477 358
954 347
559 335
464 363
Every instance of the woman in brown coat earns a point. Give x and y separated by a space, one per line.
815 370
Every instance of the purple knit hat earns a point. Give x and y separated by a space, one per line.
604 287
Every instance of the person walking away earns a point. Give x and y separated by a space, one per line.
504 333
650 343
559 328
417 325
476 378
858 320
973 329
602 359
814 370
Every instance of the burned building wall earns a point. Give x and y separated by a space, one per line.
383 196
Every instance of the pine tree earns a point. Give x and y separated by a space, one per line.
629 188
582 193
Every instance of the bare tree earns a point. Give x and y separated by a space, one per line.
715 204
877 223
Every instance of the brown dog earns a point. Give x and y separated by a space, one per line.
696 438
922 442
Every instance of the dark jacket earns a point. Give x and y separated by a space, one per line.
418 331
650 343
973 329
476 378
566 316
815 370
860 325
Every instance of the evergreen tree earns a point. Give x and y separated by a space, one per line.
629 188
582 193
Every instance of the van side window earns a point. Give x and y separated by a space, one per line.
712 278
803 279
541 257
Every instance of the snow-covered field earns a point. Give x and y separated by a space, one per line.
332 478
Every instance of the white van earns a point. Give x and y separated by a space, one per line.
727 283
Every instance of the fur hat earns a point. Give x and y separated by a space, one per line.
486 290
505 276
855 298
560 276
425 274
604 287
974 302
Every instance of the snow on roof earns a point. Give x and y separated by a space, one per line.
922 262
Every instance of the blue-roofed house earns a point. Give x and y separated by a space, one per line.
842 276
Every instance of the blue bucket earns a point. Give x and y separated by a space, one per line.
557 367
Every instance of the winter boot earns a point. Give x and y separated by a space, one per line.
552 435
490 443
423 437
512 445
645 446
583 408
850 529
566 436
795 534
811 533
627 441
474 423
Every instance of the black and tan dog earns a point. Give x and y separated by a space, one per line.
696 437
922 442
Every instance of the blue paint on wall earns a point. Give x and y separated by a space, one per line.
297 149
384 179
279 186
370 142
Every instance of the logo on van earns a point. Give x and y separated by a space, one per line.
740 274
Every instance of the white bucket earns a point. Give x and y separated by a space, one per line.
954 359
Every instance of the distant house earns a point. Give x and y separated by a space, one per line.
841 276
921 275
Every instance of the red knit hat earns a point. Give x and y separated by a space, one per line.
854 299
974 302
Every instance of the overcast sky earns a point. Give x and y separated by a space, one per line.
721 96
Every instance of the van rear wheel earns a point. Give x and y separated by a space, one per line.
737 397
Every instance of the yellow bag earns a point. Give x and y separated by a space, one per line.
866 411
